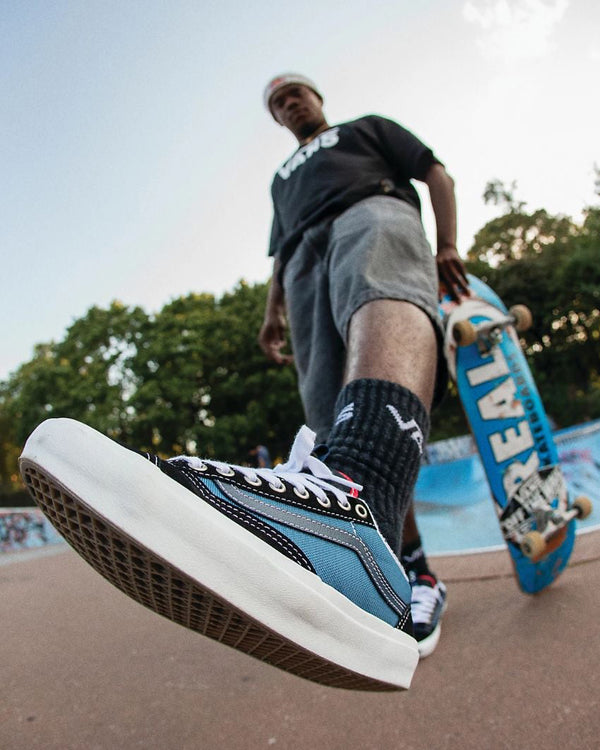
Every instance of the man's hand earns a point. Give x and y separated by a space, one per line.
272 337
452 272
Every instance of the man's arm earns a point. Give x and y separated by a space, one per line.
451 269
272 336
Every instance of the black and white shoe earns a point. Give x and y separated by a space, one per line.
284 564
427 604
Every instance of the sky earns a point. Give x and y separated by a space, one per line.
136 155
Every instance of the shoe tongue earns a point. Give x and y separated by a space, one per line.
321 451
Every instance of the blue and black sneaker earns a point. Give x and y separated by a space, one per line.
284 564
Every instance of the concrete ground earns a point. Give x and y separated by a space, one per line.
83 666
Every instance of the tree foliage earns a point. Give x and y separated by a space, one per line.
85 376
204 385
517 235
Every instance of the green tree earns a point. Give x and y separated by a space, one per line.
517 235
170 372
189 379
204 385
85 376
549 263
9 452
252 400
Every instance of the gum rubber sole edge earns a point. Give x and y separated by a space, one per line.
154 539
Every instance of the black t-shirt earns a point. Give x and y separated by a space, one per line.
343 165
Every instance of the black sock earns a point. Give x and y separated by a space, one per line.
378 440
414 560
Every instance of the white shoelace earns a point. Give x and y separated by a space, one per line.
304 472
423 603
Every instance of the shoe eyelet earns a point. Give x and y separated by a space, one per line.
303 494
345 506
362 511
324 501
277 487
256 482
202 467
226 472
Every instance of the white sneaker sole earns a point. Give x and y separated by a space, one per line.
428 645
161 545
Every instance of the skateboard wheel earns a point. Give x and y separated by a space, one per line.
583 506
533 544
464 333
523 317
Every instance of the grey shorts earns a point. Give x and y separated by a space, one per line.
376 249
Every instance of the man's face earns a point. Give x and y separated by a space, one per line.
298 109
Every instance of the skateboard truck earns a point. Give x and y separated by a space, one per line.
535 544
489 333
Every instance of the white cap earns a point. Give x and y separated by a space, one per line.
286 79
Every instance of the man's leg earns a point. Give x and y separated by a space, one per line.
393 340
319 386
388 387
392 351
381 304
412 555
319 350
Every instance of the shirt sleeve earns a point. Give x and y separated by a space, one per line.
407 153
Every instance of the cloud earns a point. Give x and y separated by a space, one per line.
513 30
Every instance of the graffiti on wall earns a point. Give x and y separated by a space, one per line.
25 529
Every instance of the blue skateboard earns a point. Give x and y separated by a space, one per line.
512 433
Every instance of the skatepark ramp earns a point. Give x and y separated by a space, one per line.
452 499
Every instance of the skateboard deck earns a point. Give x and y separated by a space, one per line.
512 433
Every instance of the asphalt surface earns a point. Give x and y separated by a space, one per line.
83 666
